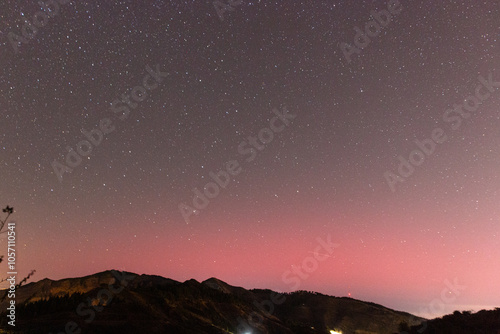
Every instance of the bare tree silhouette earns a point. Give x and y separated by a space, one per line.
10 210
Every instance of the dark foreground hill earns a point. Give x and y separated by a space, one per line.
482 322
117 302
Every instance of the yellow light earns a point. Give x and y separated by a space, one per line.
335 332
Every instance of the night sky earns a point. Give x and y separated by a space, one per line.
168 92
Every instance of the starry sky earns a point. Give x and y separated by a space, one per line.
218 77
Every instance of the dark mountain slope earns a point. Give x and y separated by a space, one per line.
118 302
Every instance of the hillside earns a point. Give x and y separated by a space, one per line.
117 302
